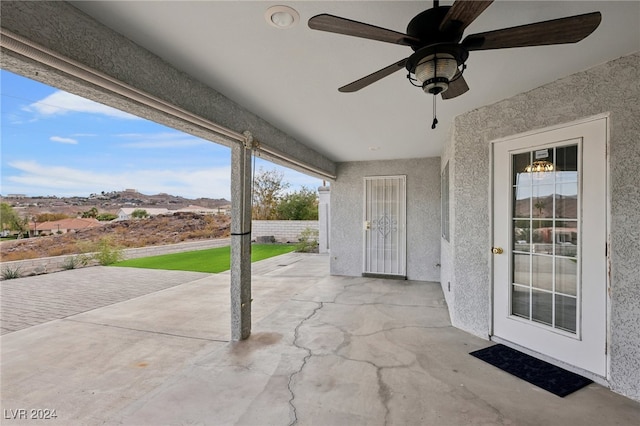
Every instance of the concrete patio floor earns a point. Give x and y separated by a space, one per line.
325 350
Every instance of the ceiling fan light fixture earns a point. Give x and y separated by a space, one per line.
435 72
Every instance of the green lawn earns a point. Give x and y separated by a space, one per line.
211 260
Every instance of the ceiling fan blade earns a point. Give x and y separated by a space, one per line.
462 13
457 87
335 24
372 78
557 31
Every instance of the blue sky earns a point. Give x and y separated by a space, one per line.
56 143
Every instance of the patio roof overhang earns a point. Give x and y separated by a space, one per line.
57 44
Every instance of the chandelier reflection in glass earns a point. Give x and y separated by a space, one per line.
539 166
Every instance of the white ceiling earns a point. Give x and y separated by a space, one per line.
290 77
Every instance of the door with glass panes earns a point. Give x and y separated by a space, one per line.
549 243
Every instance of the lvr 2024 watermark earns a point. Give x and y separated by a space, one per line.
29 414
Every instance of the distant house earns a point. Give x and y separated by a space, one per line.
63 226
226 209
196 209
125 212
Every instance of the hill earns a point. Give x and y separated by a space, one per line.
158 230
105 202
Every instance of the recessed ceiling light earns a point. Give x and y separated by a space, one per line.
374 148
281 17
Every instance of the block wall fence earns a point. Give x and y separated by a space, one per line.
284 231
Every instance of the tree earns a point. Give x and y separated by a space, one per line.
298 205
139 214
11 220
105 217
540 205
268 188
91 213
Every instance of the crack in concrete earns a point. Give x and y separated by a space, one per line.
162 333
384 330
384 392
479 401
296 335
401 305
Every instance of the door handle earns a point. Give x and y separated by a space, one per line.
497 250
367 225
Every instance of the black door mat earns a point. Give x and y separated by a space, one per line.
537 372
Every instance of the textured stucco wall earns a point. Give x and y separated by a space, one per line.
613 88
423 215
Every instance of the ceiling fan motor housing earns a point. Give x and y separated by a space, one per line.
435 61
426 27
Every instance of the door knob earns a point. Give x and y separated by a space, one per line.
497 250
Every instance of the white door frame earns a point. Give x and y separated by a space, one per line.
604 373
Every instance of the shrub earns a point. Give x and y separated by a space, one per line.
69 263
108 253
73 262
139 214
308 240
9 273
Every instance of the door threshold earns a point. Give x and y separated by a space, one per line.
387 276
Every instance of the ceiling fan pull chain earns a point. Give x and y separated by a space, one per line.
435 120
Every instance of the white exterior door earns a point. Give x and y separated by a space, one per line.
549 237
385 226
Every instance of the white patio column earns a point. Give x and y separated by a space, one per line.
324 204
241 239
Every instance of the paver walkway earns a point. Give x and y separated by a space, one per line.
30 301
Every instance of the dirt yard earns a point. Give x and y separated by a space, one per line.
153 231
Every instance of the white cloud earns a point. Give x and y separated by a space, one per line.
60 103
37 179
60 139
160 140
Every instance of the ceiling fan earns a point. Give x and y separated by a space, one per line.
439 57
